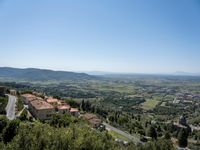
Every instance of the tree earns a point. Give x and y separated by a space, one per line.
152 133
3 123
167 135
83 105
23 116
87 106
160 144
182 138
10 131
38 136
58 120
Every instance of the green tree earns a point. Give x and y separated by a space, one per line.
23 116
83 105
38 136
160 144
167 135
10 131
182 138
152 133
58 120
3 123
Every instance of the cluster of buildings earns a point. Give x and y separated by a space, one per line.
186 98
43 109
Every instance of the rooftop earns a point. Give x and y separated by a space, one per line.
28 95
64 107
41 104
52 100
89 116
74 110
95 121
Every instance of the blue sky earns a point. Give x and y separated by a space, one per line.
139 36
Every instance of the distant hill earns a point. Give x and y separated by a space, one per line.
182 73
33 74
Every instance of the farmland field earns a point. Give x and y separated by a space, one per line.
150 104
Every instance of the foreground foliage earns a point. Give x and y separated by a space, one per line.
59 134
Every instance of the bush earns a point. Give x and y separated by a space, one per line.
3 104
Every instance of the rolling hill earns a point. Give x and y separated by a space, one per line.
33 74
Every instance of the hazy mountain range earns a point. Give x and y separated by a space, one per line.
182 73
33 74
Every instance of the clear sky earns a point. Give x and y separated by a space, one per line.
139 36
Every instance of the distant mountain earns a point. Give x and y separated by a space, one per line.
98 73
182 73
33 74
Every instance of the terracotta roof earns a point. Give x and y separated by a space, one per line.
31 97
28 95
95 121
52 100
62 102
89 116
74 110
41 104
63 107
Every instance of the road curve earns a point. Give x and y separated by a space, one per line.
129 136
10 108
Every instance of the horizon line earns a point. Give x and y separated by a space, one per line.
90 72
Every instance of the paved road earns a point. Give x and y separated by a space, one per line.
195 127
129 136
10 108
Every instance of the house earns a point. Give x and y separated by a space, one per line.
89 116
13 92
93 120
74 111
41 109
62 109
27 98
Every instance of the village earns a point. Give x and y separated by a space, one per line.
43 109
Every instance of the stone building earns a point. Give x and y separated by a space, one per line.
62 109
41 109
93 120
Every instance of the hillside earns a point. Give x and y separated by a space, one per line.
33 74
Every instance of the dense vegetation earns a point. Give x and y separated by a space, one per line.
3 103
63 133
